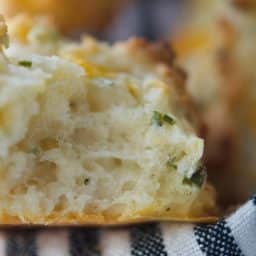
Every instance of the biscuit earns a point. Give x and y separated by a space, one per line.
98 134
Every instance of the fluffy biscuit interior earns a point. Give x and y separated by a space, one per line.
95 130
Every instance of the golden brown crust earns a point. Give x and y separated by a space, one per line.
161 55
99 220
207 214
158 52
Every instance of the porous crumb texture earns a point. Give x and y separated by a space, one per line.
96 130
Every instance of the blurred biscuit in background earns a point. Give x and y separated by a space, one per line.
217 50
70 16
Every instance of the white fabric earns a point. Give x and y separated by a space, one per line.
178 239
53 243
115 242
243 226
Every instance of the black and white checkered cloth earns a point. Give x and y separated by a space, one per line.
233 236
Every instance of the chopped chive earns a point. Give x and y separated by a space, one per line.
171 162
197 178
25 63
34 151
174 166
157 118
86 181
168 119
187 181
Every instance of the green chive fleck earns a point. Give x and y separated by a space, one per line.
171 162
187 181
197 178
168 119
25 63
86 181
34 151
157 118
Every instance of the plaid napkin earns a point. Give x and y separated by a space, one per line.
233 236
